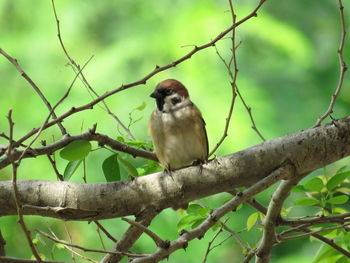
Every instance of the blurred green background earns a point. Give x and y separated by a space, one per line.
288 69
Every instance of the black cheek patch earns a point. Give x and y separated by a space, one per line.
175 101
160 103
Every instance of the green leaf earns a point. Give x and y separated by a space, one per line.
76 150
137 144
315 185
70 169
195 209
338 200
110 167
252 220
59 246
187 221
141 107
128 166
337 179
341 169
298 189
197 223
306 201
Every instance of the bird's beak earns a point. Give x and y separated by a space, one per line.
155 94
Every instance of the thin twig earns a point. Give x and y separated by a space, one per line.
159 242
88 249
342 65
313 232
105 231
77 67
2 245
209 248
233 76
16 192
143 80
35 87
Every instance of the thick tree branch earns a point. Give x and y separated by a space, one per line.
307 151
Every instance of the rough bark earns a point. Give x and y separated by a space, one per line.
306 150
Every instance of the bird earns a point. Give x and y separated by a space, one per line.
177 127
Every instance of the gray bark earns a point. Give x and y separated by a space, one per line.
306 150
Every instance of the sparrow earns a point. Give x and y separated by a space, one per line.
177 127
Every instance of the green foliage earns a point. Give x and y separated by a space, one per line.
70 169
76 150
110 167
195 216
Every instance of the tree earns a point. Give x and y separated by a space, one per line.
147 193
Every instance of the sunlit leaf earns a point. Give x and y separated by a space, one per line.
187 221
59 245
70 169
338 200
216 226
337 179
76 150
314 184
141 107
252 220
110 167
298 189
306 201
197 223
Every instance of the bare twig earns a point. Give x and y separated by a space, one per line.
313 232
273 213
129 237
90 135
342 65
143 80
216 214
209 248
159 242
35 87
233 76
77 67
87 249
16 193
105 231
249 110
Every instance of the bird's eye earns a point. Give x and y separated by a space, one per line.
175 101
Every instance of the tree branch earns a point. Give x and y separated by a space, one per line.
307 151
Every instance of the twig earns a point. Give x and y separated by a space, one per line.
105 231
216 214
342 65
159 242
35 87
90 135
77 67
88 249
16 192
273 213
21 260
313 232
249 110
233 76
212 240
143 80
129 237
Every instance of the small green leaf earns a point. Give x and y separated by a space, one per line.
306 201
59 246
197 223
110 167
337 179
338 200
76 150
137 144
193 209
141 107
70 169
315 185
128 166
35 241
120 138
252 220
341 169
298 189
187 221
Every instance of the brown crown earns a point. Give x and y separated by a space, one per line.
173 85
